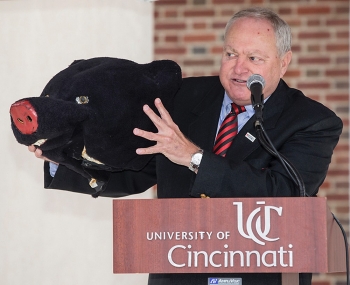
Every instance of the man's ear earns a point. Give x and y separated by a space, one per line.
285 60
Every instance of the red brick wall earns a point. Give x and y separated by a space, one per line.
191 31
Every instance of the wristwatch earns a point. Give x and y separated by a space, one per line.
196 160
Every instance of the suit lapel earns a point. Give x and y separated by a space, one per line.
202 130
242 146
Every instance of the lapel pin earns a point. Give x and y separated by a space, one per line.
250 137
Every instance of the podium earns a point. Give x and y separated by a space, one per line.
225 235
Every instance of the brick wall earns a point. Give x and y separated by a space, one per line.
190 32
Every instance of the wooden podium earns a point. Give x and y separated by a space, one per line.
223 235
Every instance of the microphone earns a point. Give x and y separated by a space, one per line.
255 84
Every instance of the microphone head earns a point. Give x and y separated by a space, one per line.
255 78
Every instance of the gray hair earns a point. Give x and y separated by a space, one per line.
282 30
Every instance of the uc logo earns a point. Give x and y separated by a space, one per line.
260 236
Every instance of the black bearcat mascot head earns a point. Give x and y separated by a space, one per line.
85 116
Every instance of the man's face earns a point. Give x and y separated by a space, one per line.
250 48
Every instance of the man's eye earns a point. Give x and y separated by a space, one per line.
256 59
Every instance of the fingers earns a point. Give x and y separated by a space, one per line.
153 116
148 150
169 140
38 153
168 136
163 120
162 111
144 134
31 148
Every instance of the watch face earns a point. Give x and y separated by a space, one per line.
196 158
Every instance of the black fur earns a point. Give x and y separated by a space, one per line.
116 89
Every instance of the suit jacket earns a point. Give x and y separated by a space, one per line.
303 130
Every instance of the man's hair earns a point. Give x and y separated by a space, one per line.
282 30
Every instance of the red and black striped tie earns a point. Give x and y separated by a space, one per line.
228 130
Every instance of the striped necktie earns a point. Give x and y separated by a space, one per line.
228 130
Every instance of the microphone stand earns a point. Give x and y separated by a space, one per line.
258 105
267 144
270 148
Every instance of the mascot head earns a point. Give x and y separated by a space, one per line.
85 116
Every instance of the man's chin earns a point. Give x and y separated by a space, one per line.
239 97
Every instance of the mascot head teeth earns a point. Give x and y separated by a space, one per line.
40 142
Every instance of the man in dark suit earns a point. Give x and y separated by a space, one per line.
257 41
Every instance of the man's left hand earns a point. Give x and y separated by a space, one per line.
170 141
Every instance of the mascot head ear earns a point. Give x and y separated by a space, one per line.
167 75
76 61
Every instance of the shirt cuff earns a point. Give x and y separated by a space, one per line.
53 169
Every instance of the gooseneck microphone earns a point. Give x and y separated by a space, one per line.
255 84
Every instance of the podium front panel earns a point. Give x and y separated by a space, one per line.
220 235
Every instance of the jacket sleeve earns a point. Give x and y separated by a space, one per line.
261 175
119 184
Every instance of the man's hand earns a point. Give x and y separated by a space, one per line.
170 141
38 153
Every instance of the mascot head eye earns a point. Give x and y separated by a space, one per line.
82 100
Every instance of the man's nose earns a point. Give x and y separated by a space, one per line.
240 66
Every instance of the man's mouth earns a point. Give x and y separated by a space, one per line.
239 81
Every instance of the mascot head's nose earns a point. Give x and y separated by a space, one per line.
24 117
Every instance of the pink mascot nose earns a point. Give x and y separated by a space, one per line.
24 117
